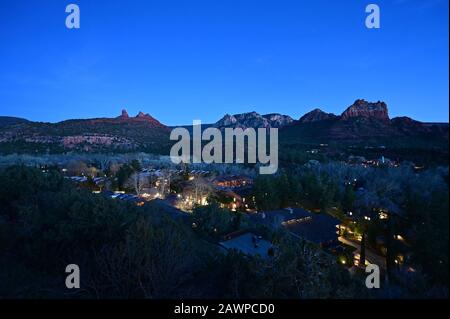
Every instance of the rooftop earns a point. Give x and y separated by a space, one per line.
315 227
174 212
229 178
249 244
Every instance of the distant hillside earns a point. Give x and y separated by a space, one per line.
120 134
365 123
9 120
363 128
316 115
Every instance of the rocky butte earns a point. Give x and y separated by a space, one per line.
140 117
124 115
363 109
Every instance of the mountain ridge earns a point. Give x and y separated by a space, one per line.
254 119
11 120
360 123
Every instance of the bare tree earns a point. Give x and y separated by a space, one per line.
138 181
150 263
201 189
164 181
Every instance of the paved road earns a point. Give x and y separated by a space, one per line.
371 256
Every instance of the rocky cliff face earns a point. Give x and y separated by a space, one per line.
254 120
316 115
124 115
226 121
278 120
364 109
141 117
244 120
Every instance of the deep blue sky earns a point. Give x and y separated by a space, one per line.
185 60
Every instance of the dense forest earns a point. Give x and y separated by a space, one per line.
125 251
417 205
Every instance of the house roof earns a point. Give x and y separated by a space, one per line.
229 178
170 210
249 244
314 227
244 191
319 229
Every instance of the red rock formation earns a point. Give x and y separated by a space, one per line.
364 109
141 115
124 118
124 114
147 118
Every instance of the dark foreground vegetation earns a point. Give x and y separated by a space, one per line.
415 206
129 251
125 251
